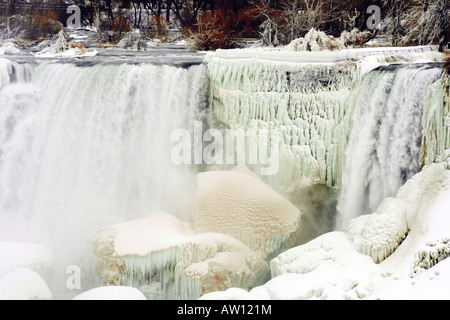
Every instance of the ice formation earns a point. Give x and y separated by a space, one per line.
315 40
379 234
436 122
305 104
331 250
111 293
244 207
327 267
163 257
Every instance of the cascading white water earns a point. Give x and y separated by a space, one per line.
384 146
84 147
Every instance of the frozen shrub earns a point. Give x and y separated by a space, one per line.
315 40
133 41
355 38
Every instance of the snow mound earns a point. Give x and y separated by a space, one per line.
378 235
23 284
8 48
111 293
314 40
246 208
331 250
24 255
327 267
62 48
163 257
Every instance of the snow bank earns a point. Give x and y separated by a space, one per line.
23 284
244 207
163 257
111 293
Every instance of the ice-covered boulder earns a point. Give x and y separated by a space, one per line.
331 250
327 267
111 293
244 207
23 284
164 258
379 234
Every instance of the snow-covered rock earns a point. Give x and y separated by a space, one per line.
164 258
8 47
23 284
244 207
111 293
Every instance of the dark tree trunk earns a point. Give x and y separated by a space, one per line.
10 8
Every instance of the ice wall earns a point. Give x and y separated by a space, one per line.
436 123
306 105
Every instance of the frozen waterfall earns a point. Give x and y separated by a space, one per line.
86 146
386 138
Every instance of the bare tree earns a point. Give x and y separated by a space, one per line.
435 22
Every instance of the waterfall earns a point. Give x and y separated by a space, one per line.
84 147
383 151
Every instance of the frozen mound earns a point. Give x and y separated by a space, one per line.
111 293
327 267
378 235
163 257
23 284
331 250
315 40
304 105
244 207
8 48
14 256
